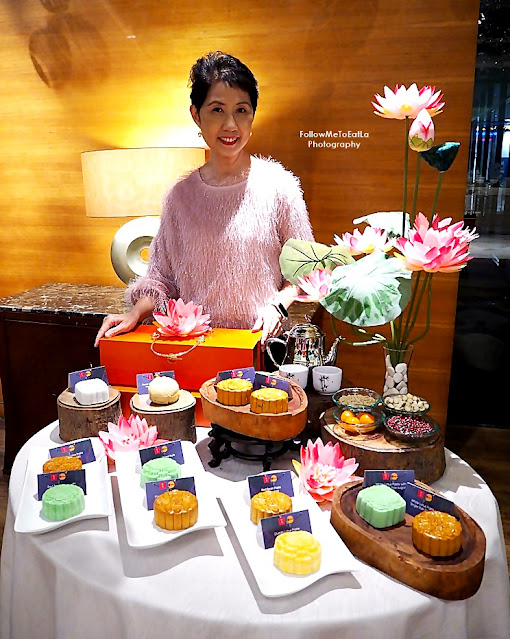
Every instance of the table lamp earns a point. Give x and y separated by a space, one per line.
132 183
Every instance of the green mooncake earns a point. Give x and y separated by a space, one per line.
62 502
159 468
380 506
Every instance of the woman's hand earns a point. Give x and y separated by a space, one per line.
269 321
116 324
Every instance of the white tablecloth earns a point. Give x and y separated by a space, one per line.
84 580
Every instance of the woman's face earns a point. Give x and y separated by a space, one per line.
225 119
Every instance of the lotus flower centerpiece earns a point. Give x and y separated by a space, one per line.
129 434
183 320
323 469
383 274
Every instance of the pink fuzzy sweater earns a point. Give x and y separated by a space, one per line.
219 245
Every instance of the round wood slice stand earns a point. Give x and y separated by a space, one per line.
267 426
77 421
173 421
392 551
380 451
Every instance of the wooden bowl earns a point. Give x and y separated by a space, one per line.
392 551
267 426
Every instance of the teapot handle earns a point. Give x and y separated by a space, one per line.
268 349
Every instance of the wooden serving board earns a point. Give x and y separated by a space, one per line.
77 421
240 419
392 551
173 421
378 450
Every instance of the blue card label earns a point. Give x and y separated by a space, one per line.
47 480
281 481
274 526
419 499
262 380
82 449
240 373
155 488
99 372
169 449
144 379
396 479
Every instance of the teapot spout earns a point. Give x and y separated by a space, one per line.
333 351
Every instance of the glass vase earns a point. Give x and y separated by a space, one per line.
396 378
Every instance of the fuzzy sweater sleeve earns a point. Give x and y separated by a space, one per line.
159 281
293 218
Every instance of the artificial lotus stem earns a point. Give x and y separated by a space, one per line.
409 309
436 196
427 323
406 160
416 184
410 325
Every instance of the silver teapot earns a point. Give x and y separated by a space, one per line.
305 344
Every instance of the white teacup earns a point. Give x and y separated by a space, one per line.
297 372
327 379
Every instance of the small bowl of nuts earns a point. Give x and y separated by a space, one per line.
411 428
406 404
356 398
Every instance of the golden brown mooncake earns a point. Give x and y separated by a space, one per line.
269 400
61 464
176 510
234 392
436 533
269 503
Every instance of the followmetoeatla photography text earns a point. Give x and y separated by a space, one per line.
334 139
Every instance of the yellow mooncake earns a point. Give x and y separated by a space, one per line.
269 503
297 552
176 510
234 392
436 533
269 400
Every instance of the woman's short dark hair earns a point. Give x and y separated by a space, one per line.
222 67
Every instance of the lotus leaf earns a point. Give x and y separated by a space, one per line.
300 257
371 292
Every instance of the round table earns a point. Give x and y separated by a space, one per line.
85 580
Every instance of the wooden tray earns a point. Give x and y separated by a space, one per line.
266 426
392 551
378 450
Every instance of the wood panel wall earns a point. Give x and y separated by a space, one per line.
115 75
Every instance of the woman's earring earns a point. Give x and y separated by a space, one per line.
200 134
251 133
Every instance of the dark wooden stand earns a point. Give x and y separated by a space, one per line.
44 334
225 443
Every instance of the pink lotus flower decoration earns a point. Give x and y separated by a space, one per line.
323 469
372 239
440 247
129 434
316 285
421 132
183 320
407 103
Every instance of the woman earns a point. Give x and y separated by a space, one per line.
223 226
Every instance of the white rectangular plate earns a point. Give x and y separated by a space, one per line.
336 557
141 531
98 500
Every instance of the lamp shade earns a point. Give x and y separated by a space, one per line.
132 182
